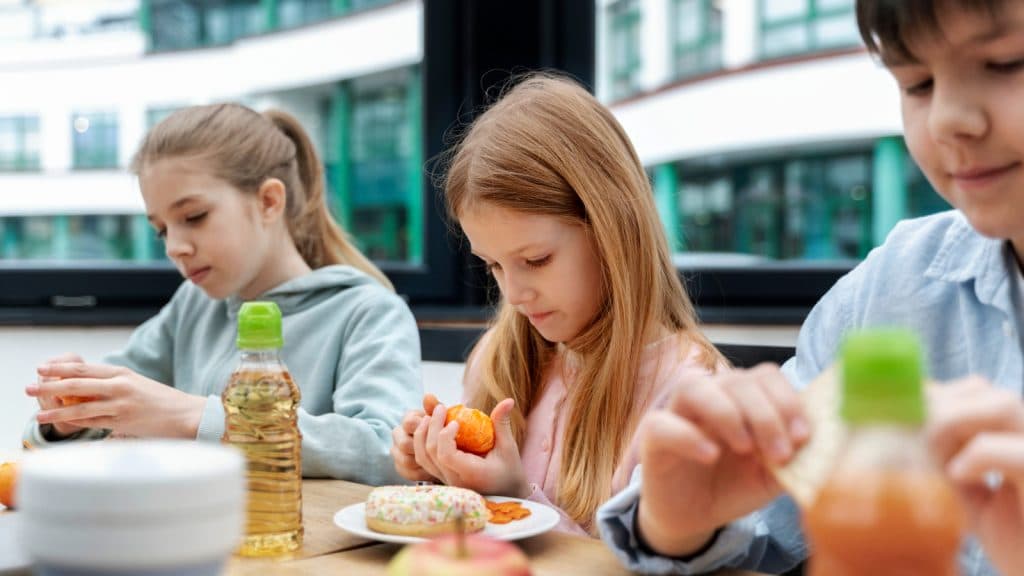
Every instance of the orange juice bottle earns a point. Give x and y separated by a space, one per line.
886 509
260 407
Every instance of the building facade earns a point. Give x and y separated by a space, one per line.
85 80
766 127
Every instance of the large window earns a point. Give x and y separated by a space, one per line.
75 237
697 36
178 24
624 40
292 13
803 208
19 143
797 26
381 150
94 135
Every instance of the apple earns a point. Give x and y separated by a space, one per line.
8 476
446 556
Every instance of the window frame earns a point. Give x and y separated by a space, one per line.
707 38
806 21
22 161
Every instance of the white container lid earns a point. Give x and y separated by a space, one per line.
131 505
130 478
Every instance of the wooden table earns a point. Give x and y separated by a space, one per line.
330 550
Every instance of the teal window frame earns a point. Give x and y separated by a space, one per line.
380 143
624 21
707 47
25 157
99 150
196 27
806 22
156 115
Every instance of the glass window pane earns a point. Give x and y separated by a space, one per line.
95 140
785 40
838 30
784 9
830 5
688 22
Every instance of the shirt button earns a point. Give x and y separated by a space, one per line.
545 446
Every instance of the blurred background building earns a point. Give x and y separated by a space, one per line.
85 79
767 130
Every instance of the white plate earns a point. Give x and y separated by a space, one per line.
541 519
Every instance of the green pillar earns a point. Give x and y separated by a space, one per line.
270 20
666 198
146 21
889 191
341 181
10 238
414 171
339 6
61 243
142 248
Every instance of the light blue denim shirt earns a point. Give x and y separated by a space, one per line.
935 275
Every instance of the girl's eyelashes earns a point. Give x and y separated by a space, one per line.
195 218
538 262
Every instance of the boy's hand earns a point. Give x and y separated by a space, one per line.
977 433
123 401
704 456
499 473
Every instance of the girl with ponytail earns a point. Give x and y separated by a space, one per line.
238 199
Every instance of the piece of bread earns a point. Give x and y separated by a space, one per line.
425 510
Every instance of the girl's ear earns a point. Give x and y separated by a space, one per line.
272 199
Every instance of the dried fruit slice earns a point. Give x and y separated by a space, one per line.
810 467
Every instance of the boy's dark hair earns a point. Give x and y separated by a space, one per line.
887 25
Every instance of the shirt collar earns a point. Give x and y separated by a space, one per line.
965 256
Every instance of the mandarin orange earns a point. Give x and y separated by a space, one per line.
72 400
8 477
476 431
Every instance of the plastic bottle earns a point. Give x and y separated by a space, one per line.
260 404
886 509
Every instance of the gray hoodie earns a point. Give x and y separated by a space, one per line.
351 346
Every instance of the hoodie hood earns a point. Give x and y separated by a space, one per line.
311 289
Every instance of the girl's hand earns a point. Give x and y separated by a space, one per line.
703 457
977 433
52 402
500 472
126 402
403 450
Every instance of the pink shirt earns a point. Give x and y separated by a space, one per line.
663 363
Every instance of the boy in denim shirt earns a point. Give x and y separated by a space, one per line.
702 499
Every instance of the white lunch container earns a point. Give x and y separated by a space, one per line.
145 507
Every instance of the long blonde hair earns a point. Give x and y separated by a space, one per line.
245 148
548 147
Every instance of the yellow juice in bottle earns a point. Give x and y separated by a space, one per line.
260 408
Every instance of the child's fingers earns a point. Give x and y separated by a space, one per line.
988 453
78 370
69 387
429 403
763 417
422 456
786 400
435 424
401 441
955 418
704 403
78 412
663 433
411 421
450 457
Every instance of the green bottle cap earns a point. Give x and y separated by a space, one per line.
882 381
259 326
